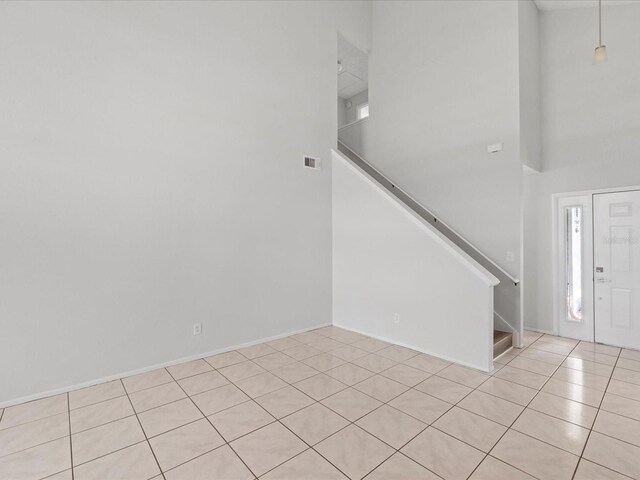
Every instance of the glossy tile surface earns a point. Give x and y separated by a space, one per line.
184 443
222 462
240 419
309 465
533 456
333 404
314 423
443 454
135 462
268 447
391 426
354 451
105 439
470 428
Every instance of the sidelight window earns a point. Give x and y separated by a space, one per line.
573 241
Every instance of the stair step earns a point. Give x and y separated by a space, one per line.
502 341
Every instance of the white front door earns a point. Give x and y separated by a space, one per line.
616 267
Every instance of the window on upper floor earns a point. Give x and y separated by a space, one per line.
363 111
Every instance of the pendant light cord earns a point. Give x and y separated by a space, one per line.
599 23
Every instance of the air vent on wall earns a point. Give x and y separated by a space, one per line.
311 162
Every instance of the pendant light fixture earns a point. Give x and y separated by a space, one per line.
600 53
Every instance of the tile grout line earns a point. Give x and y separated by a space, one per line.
70 436
115 451
595 419
209 420
428 425
319 402
409 387
397 450
241 403
105 399
226 443
302 361
91 405
225 409
245 434
510 427
474 389
540 390
37 419
616 413
295 360
486 454
316 401
143 430
350 423
555 395
278 420
37 444
88 429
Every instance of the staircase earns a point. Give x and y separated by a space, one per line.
507 294
502 342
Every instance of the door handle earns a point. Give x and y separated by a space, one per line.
602 280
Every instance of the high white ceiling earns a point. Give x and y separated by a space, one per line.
354 77
563 4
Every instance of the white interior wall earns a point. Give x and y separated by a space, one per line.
135 204
443 85
151 178
530 101
590 129
388 261
439 102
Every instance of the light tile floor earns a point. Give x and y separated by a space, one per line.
333 404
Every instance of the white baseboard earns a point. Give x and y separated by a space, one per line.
90 383
413 347
540 330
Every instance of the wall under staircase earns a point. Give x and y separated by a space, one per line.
507 304
397 278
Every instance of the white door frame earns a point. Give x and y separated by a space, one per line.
560 200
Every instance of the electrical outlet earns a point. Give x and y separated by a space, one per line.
197 328
396 319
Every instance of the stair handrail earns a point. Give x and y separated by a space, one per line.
422 210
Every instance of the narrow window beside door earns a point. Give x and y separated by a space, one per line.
573 216
363 111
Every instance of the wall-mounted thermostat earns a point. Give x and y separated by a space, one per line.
312 162
494 148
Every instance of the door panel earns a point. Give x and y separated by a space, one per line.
617 268
620 252
621 299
